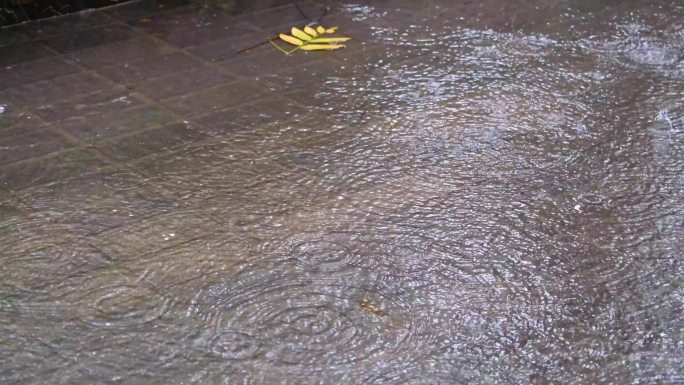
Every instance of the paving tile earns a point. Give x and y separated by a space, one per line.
12 115
56 89
241 7
189 16
136 48
310 128
245 118
268 60
35 70
102 102
195 261
162 23
137 239
190 26
150 67
115 122
229 48
137 9
349 26
196 36
23 142
97 202
233 179
287 15
75 41
13 35
9 212
143 143
309 74
41 269
217 98
182 82
17 53
21 232
48 169
170 168
72 22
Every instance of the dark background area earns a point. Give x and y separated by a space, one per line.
17 11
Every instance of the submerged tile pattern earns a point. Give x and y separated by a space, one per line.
123 83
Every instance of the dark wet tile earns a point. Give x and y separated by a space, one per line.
268 60
229 48
21 233
135 240
287 15
41 263
120 52
12 115
203 34
13 35
16 53
115 122
247 117
147 142
150 67
151 20
36 70
189 16
188 162
238 8
349 26
383 5
56 89
310 74
106 101
217 98
136 9
312 129
47 169
190 25
366 55
74 22
97 202
23 142
9 212
75 41
182 82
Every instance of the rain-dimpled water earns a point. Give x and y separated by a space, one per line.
480 192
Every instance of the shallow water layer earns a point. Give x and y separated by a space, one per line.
473 192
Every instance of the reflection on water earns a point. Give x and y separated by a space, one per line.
484 193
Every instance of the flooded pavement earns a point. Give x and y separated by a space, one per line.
485 192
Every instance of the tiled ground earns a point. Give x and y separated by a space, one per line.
105 93
128 129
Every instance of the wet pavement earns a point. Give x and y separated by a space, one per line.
472 192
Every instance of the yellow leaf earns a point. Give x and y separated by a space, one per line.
320 29
329 39
298 33
318 47
290 39
331 30
310 31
